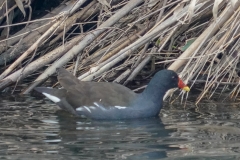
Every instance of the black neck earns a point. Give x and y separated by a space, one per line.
153 94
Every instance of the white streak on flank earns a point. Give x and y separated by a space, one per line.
87 109
91 107
96 104
120 107
79 109
51 97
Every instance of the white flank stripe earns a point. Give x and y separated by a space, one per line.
79 109
96 104
87 109
120 107
51 97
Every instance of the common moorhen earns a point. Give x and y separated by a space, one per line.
102 100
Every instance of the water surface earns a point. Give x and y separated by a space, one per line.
32 128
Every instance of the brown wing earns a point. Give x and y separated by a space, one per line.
66 78
107 94
81 93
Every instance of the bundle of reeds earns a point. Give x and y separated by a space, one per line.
103 39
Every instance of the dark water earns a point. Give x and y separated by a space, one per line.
32 128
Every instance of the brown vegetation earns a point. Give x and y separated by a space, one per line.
102 40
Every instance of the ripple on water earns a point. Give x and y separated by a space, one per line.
36 129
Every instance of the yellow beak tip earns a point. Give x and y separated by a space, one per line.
186 88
